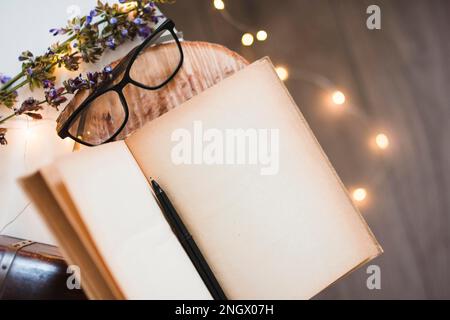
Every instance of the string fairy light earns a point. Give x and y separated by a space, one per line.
15 218
247 39
338 97
359 194
282 73
261 35
219 4
382 141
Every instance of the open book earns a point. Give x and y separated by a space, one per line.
275 223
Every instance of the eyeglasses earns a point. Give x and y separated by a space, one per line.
102 116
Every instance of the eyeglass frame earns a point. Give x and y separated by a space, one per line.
167 25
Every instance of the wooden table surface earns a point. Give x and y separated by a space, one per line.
396 79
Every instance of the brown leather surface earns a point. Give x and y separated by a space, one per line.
37 272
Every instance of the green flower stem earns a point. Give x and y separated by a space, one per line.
12 80
6 87
21 74
7 118
21 84
47 68
12 115
70 39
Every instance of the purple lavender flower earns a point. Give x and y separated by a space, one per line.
29 105
4 78
47 84
91 81
26 55
52 93
144 32
137 21
92 78
55 31
108 69
75 84
122 1
54 96
29 71
113 20
110 43
124 32
90 17
147 8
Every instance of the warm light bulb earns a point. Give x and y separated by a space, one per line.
219 4
282 72
359 194
247 39
338 97
261 35
382 141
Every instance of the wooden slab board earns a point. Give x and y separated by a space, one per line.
205 64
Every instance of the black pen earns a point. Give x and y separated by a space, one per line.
188 243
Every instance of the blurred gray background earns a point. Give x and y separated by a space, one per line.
397 81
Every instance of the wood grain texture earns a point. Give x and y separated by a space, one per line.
205 64
397 80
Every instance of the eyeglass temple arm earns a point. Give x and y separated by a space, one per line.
118 70
124 62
